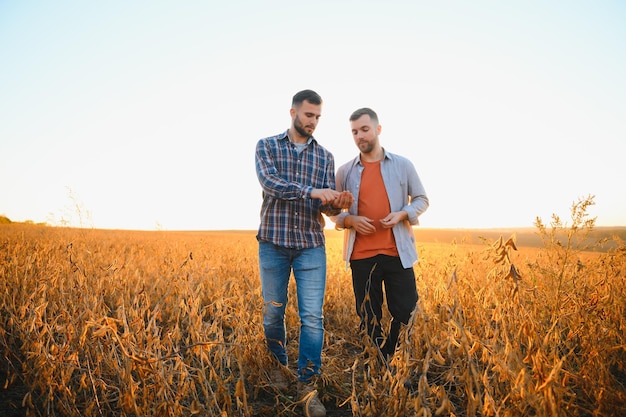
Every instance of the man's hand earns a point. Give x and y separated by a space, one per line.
327 195
363 225
344 200
393 218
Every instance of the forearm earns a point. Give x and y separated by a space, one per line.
415 208
330 210
283 190
340 220
272 182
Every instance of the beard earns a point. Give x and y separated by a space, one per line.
366 147
297 124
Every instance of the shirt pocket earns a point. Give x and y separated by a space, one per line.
399 195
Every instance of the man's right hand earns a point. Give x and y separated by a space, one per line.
327 195
363 225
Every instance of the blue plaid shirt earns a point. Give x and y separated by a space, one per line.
289 217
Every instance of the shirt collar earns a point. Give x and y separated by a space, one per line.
357 160
285 136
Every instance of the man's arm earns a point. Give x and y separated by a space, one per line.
418 200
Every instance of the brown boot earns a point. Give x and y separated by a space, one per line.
311 403
280 377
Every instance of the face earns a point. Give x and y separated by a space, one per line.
306 117
365 134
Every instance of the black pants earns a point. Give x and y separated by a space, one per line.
368 277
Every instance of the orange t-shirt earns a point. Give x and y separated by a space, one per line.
373 203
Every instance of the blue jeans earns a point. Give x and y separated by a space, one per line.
309 269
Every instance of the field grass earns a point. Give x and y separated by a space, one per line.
128 323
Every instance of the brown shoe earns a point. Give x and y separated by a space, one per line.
312 405
279 377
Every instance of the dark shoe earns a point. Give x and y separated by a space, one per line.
311 403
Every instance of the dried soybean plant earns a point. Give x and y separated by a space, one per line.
583 309
100 327
493 336
112 323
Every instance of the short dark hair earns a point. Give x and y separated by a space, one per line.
362 112
308 95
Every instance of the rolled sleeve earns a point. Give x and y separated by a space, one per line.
340 220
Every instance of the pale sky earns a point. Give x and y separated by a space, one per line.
145 114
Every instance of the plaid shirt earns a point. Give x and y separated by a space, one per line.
289 217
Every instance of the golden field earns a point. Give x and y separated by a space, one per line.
128 323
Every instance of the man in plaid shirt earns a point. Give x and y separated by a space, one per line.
297 176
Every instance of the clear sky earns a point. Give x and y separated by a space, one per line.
145 114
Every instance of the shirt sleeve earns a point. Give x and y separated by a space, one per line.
339 218
272 184
418 202
328 209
